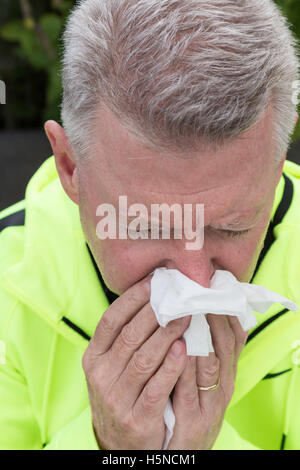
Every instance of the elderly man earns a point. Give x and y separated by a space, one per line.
165 102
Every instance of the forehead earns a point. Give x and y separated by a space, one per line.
235 178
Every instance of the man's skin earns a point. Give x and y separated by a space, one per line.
132 364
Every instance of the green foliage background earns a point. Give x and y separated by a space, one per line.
30 58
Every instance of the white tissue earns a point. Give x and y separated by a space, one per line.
174 295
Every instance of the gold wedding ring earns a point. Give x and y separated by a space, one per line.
209 389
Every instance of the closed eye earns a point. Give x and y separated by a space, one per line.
231 233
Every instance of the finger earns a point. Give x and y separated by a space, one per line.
148 358
240 338
197 412
239 333
223 340
132 336
208 375
152 402
123 309
185 404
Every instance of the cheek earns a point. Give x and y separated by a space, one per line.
87 208
245 258
123 263
238 255
243 255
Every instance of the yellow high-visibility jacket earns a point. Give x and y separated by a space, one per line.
52 298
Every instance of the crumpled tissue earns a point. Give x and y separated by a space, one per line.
174 295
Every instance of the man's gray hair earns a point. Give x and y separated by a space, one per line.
178 73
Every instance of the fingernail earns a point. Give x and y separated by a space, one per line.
148 285
176 350
148 282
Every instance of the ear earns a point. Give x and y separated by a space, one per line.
64 159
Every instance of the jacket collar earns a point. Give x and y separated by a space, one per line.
55 276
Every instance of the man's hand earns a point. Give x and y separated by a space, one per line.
131 366
199 414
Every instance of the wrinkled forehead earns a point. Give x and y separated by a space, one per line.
236 178
244 161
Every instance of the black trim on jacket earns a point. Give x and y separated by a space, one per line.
281 211
15 219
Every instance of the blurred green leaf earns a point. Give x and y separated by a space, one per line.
63 6
54 83
51 25
13 31
30 46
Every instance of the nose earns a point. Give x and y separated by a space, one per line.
195 265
